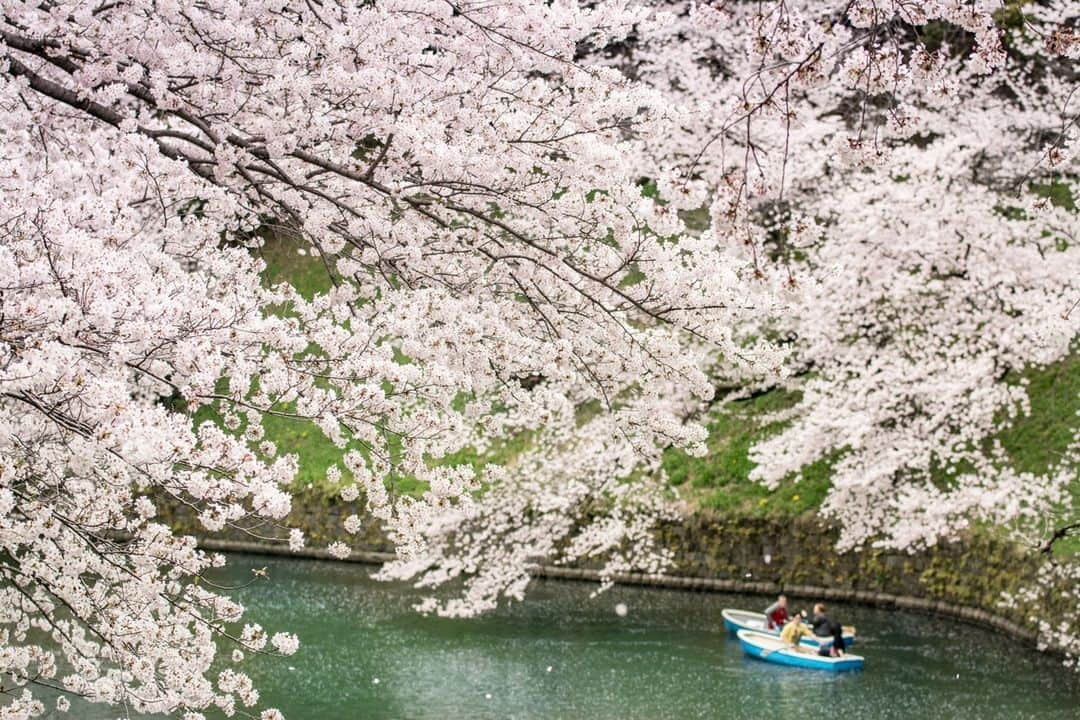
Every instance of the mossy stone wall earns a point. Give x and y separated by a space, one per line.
802 551
720 552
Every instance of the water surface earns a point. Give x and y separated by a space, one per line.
365 654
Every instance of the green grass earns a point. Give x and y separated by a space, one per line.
1057 191
1037 441
303 438
313 449
720 480
315 452
284 263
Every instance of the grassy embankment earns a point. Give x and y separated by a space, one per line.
304 439
720 479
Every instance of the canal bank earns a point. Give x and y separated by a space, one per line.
962 580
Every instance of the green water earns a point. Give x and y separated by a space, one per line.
669 657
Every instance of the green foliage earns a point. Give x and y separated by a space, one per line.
649 189
697 220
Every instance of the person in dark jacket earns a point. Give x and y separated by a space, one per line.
824 627
819 621
776 615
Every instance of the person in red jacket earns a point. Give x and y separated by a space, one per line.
776 615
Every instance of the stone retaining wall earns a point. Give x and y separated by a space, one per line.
725 554
679 582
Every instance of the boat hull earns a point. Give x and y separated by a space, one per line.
762 646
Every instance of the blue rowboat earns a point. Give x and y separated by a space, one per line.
772 649
736 620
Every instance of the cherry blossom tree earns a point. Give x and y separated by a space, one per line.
874 161
884 153
462 176
470 176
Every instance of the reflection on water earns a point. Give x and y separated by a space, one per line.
365 654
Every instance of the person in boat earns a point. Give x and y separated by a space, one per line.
796 629
776 615
824 627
